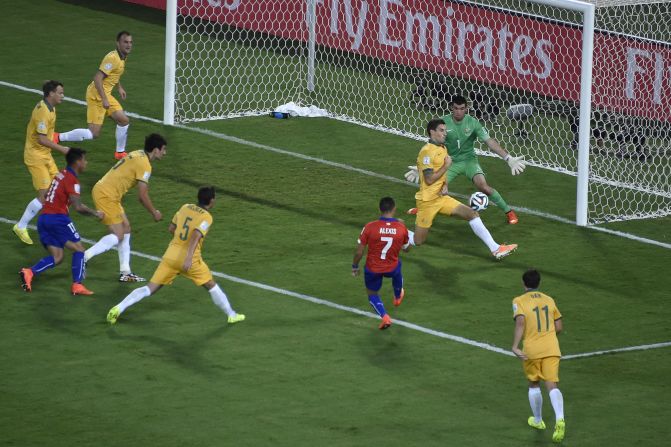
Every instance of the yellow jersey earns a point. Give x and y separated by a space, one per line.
133 168
113 67
42 122
540 313
431 156
188 219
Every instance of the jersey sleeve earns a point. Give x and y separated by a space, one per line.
72 187
41 120
363 237
406 235
175 218
556 315
108 64
424 160
143 171
517 308
481 132
205 224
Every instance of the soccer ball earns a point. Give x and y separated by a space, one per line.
479 201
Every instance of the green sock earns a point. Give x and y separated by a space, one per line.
498 200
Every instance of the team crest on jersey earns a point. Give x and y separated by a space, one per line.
204 225
146 176
108 66
468 131
42 126
426 160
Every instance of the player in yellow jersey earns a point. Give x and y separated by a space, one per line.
135 169
183 257
433 162
537 322
37 153
99 99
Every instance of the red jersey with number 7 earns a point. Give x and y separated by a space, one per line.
62 187
385 238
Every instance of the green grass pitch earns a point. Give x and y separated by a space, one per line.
172 373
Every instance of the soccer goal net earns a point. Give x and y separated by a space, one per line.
394 64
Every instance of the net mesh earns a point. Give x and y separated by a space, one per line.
393 64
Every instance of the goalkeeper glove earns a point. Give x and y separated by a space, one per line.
412 175
517 164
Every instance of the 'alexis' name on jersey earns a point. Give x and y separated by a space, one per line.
387 230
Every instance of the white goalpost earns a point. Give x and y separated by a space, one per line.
595 77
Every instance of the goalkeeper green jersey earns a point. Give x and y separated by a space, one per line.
461 136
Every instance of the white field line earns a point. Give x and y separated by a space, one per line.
347 167
665 344
354 310
320 301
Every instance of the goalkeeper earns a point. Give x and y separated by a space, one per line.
462 130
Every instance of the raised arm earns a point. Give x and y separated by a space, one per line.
516 164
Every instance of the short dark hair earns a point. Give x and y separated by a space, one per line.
387 204
121 34
531 279
458 100
50 86
433 125
153 141
73 155
205 195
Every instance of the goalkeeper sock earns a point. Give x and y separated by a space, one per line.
121 137
376 302
483 233
498 200
76 135
133 297
43 264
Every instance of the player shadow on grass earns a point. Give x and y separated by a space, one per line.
184 353
354 222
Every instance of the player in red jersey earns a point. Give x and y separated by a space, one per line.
385 238
55 227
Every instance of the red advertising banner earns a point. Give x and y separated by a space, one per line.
468 41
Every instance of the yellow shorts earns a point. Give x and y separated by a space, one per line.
42 172
95 112
546 369
426 211
168 269
114 212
